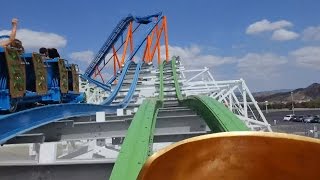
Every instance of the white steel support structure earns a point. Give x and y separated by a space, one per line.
235 94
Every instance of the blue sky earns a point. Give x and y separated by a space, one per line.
280 50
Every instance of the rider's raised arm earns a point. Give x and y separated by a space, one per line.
13 33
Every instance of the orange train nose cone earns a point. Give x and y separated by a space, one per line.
236 155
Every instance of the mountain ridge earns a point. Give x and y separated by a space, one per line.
311 92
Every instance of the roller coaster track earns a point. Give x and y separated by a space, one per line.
21 122
120 82
114 36
140 130
137 145
170 105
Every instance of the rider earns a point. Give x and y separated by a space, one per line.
43 53
12 35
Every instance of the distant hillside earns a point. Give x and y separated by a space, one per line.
268 93
309 93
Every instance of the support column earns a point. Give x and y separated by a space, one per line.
230 102
47 153
244 97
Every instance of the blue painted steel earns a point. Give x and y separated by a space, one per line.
128 63
52 70
23 121
52 96
26 55
114 36
4 90
146 19
144 38
131 91
105 87
73 97
4 99
118 86
111 80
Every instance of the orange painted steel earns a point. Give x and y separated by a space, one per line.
158 45
114 68
145 51
149 51
129 40
98 72
149 47
166 37
115 61
236 155
146 55
116 57
129 34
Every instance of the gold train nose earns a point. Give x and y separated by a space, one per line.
236 155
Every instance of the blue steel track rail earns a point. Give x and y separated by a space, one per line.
131 91
118 86
23 121
105 87
114 36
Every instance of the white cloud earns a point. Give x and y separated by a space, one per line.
194 57
265 25
36 39
311 34
260 66
82 56
307 57
284 35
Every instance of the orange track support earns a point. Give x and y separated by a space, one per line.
129 35
149 50
158 44
161 29
166 37
98 72
115 61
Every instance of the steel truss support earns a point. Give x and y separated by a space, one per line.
235 94
157 28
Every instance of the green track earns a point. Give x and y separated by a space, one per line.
161 94
176 81
216 115
137 146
